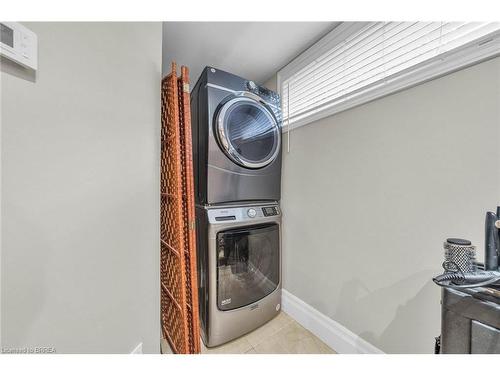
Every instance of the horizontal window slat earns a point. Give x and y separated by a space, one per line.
382 56
369 56
412 54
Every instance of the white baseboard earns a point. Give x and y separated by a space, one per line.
137 350
329 331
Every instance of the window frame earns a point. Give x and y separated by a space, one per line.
475 52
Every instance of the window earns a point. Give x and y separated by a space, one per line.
360 61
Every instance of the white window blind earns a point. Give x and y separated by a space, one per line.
359 61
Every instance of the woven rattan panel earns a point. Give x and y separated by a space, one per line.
179 296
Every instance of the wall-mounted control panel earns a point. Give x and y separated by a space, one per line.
19 44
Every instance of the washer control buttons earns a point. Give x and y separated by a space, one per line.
270 211
251 212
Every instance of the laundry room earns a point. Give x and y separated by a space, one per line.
304 227
229 188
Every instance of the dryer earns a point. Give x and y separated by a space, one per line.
236 127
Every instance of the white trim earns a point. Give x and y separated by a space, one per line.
1 212
138 349
478 51
329 331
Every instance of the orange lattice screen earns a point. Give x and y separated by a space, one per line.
179 293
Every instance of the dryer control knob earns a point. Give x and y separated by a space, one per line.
251 212
251 85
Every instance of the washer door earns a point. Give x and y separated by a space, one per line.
248 133
248 265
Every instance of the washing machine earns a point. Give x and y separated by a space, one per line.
236 127
239 268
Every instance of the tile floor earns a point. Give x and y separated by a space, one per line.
282 335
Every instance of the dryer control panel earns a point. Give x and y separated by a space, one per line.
264 93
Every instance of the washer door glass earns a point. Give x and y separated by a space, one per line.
248 133
247 265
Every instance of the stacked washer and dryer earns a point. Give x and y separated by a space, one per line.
236 127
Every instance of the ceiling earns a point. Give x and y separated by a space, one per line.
253 50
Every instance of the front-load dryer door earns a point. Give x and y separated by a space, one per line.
248 132
248 265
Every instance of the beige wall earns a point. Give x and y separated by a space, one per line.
370 194
80 257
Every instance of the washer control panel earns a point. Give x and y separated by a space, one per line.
242 213
270 210
251 212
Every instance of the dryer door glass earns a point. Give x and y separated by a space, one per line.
248 133
247 265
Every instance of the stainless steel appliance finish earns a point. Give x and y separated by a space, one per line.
470 321
239 268
237 139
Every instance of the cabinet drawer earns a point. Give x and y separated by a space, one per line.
484 339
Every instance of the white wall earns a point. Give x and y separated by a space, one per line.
247 49
370 194
80 256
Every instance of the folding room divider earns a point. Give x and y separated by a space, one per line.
179 291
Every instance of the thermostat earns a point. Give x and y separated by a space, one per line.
19 44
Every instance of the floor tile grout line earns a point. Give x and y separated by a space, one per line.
273 334
315 336
252 346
